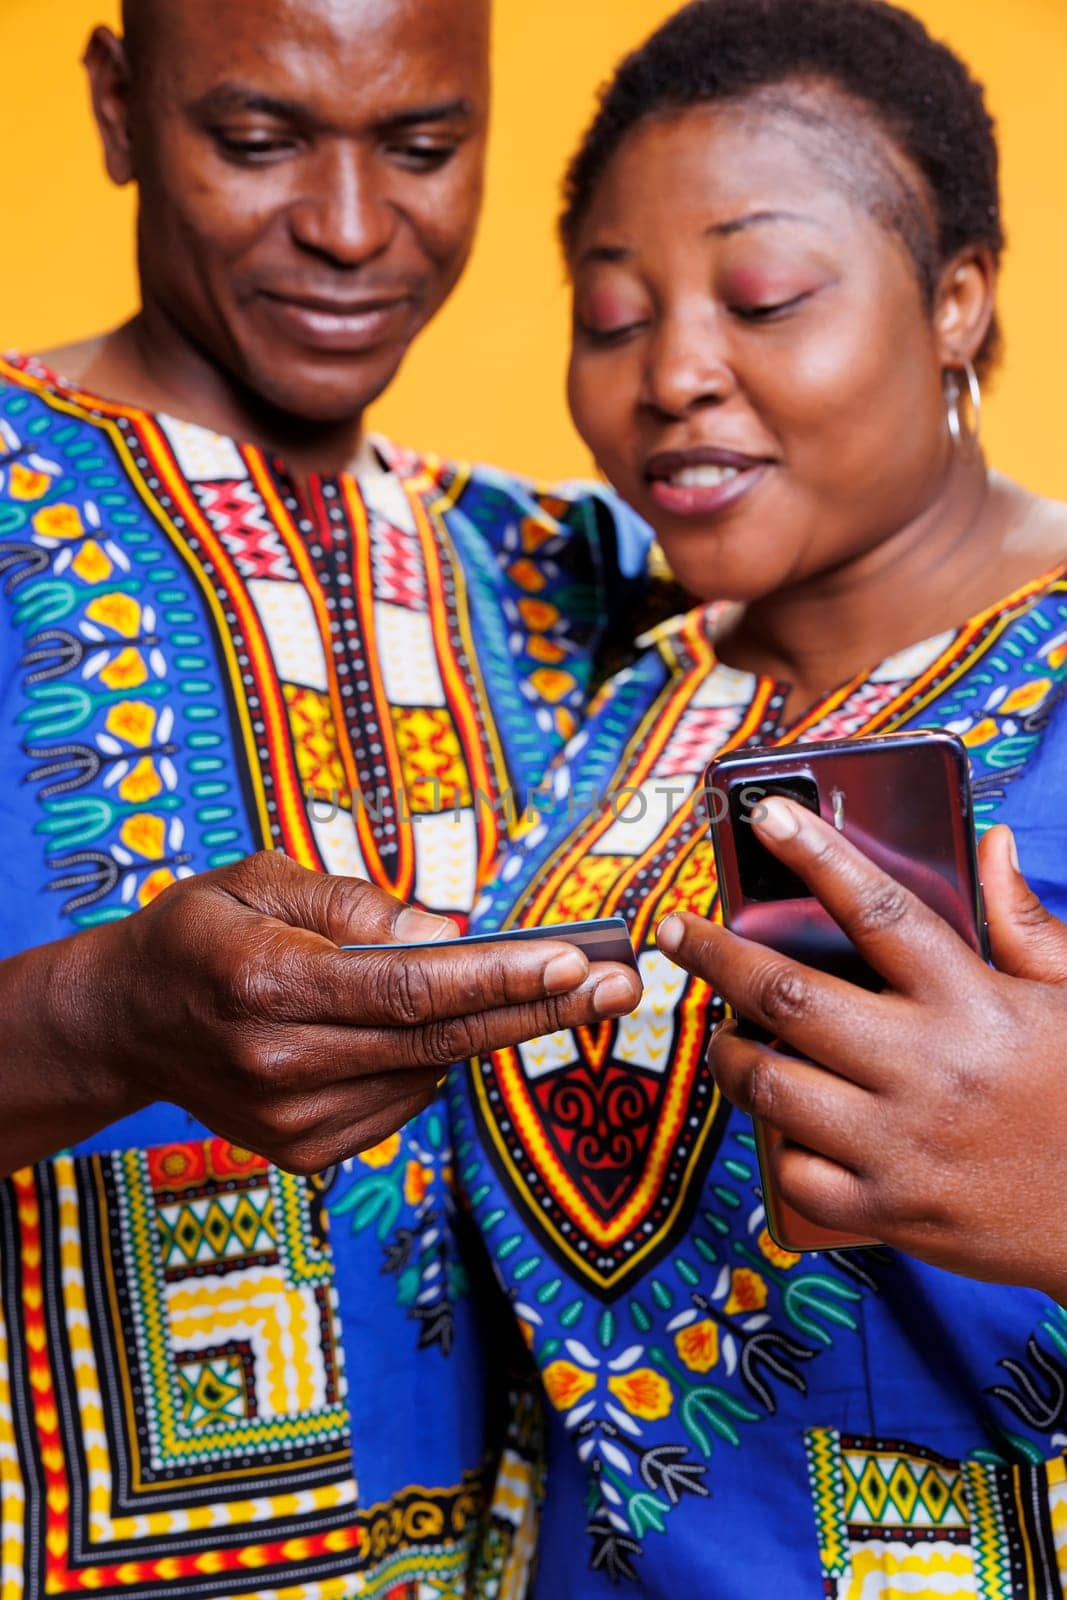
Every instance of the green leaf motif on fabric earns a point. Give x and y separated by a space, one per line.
373 1201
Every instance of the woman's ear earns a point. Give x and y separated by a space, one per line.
966 302
107 65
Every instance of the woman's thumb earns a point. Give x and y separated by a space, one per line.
1025 940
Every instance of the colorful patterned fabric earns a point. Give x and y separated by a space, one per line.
725 1418
216 1380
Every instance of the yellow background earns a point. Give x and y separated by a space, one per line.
486 381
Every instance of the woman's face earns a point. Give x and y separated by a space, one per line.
754 367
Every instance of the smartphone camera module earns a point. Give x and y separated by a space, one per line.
763 876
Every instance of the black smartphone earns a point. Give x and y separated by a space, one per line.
904 799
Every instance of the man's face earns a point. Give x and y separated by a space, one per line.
310 175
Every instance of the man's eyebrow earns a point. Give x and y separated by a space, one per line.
417 116
231 97
236 97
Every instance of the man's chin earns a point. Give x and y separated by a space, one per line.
325 393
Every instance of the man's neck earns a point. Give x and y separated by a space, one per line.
136 367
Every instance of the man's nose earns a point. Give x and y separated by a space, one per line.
344 213
687 365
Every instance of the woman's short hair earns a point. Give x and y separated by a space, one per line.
882 58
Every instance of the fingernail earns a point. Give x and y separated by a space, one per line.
670 933
420 927
565 972
779 819
1013 851
614 997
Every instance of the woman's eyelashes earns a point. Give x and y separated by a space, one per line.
604 336
770 311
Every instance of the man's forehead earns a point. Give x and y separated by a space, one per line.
382 32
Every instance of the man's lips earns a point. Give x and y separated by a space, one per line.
702 481
340 325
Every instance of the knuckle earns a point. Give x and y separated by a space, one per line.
268 1065
450 1039
287 1122
354 910
760 1091
291 1120
1004 1017
406 986
1031 916
304 1160
844 1203
499 984
782 994
881 906
552 1015
253 869
824 849
254 989
968 1084
249 1063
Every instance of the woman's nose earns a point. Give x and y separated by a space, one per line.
344 213
687 366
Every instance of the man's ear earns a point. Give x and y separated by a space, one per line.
107 64
966 302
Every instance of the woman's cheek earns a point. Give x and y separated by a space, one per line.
592 394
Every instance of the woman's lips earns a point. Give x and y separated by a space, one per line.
702 483
340 327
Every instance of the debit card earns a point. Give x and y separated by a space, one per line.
606 939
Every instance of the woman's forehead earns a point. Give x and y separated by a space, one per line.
805 148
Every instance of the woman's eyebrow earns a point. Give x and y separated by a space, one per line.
718 230
753 218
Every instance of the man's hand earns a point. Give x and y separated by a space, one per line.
229 996
931 1115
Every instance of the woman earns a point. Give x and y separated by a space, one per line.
783 229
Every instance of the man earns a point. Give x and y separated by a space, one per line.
233 624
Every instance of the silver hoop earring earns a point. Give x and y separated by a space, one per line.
968 441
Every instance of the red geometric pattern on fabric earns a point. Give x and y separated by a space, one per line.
399 575
857 711
699 734
241 521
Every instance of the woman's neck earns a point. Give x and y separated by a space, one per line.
982 537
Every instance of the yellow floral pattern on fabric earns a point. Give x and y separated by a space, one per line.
435 774
318 754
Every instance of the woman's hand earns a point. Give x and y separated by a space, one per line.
936 1118
229 997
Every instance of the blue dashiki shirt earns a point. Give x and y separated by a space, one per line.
726 1419
217 1380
